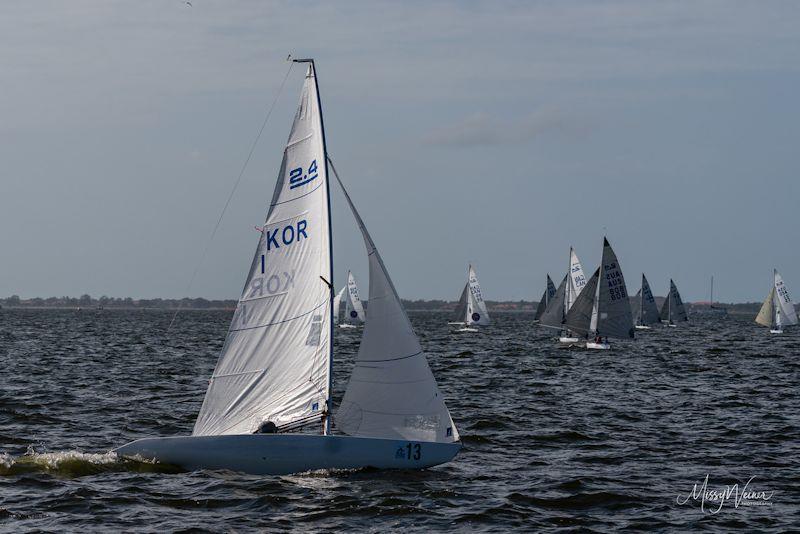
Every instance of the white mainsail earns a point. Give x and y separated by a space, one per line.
476 306
788 313
392 392
274 365
577 280
354 310
337 302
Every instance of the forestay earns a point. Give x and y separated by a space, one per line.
354 310
392 392
553 315
274 364
476 306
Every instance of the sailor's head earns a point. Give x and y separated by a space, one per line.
267 427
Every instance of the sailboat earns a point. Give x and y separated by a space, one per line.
645 310
576 282
778 310
672 310
471 309
547 296
603 309
353 309
337 304
273 377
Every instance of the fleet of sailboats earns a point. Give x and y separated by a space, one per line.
777 311
268 407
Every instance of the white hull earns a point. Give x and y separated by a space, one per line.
281 454
457 323
466 329
597 346
642 327
670 325
773 331
568 340
345 325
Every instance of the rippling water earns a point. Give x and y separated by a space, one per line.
553 438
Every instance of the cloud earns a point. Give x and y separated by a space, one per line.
484 130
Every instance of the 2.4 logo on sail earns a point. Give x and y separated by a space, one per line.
297 178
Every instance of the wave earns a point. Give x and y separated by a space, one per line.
77 464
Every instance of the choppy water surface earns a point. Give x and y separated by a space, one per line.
553 438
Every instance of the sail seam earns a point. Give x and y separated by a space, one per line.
296 198
280 322
389 359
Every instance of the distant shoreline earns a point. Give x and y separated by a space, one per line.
88 303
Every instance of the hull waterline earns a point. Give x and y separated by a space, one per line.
281 454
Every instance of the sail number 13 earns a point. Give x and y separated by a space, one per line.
409 451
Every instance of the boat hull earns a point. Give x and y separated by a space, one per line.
774 331
282 454
642 327
568 340
597 346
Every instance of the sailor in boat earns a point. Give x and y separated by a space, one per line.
267 427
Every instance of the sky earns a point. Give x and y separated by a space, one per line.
497 133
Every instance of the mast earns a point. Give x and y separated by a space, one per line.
326 429
569 286
712 290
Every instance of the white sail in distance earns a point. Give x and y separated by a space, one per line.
337 302
788 313
392 392
274 365
354 310
577 280
477 314
766 315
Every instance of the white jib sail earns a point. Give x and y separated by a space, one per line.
476 308
337 302
274 365
354 311
788 313
392 392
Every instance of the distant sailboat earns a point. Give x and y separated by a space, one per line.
274 374
778 310
603 309
353 309
547 296
576 282
337 303
471 309
645 311
673 310
553 315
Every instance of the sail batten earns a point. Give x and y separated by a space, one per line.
275 362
